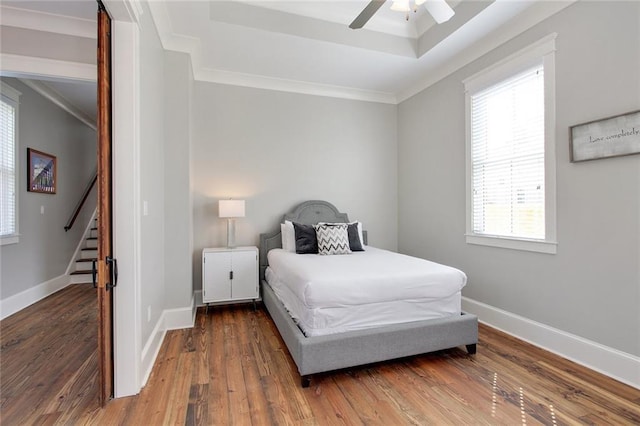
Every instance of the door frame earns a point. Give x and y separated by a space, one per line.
125 45
127 203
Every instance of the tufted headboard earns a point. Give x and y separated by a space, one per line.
308 213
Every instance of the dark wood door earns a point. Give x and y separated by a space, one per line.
106 267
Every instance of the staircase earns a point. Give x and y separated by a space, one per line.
88 253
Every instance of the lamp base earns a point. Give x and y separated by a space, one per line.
231 233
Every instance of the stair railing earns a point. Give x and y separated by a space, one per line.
85 195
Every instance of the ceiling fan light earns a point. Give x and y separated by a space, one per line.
400 5
440 10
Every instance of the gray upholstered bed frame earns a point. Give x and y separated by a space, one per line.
335 351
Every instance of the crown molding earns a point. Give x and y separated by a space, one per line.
30 66
59 100
193 47
285 85
532 16
47 22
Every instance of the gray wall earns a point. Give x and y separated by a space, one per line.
152 175
42 44
277 149
591 287
178 229
45 249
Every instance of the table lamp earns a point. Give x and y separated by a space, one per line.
231 209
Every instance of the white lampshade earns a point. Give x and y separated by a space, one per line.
439 9
231 208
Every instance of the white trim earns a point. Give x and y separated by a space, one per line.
13 97
520 60
59 100
28 297
5 240
151 350
549 247
126 205
9 91
541 51
179 318
507 32
285 85
18 65
48 22
76 253
193 47
170 319
611 362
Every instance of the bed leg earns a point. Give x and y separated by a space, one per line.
305 381
471 349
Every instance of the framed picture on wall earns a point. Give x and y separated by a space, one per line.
42 170
608 137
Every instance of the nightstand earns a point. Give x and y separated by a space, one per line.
230 274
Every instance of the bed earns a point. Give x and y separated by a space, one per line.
322 349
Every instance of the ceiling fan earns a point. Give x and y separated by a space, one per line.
439 9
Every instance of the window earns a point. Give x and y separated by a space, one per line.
511 151
8 165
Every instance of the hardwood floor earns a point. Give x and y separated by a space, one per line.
48 363
232 368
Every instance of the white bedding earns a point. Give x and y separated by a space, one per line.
333 294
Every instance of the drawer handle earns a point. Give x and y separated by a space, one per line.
230 275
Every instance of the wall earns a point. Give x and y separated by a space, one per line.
152 172
178 205
591 287
41 44
45 249
277 149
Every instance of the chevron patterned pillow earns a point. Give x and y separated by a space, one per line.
332 238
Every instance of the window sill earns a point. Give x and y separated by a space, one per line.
9 239
539 246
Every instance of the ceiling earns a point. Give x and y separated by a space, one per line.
306 46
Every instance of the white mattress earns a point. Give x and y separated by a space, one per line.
334 294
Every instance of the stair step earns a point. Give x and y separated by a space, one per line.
88 253
88 271
85 264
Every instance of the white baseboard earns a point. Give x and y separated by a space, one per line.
171 319
175 319
616 364
17 302
151 350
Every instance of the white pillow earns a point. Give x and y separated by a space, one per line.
288 236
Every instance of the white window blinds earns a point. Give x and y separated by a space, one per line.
8 172
508 158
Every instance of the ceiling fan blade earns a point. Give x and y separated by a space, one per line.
366 14
440 10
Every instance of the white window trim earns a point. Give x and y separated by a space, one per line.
519 61
14 96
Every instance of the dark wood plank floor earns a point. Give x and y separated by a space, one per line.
232 368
